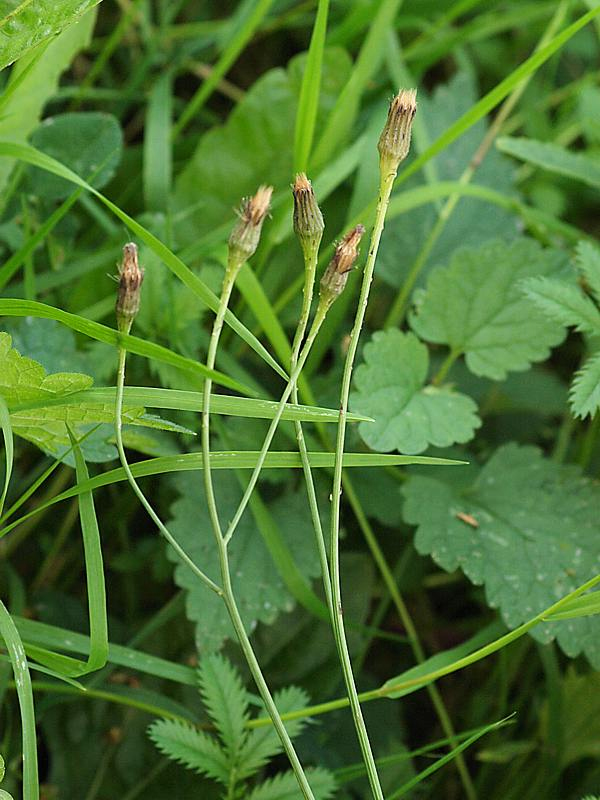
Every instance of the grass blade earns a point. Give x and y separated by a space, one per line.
236 459
306 116
344 112
157 146
229 55
552 157
179 399
16 652
38 159
102 333
406 787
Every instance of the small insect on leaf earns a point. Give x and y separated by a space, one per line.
469 519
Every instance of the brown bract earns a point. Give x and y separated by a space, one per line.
335 276
394 142
131 277
246 234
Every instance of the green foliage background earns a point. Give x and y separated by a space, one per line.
149 121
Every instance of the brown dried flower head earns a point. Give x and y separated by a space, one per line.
308 220
130 287
394 142
245 236
335 276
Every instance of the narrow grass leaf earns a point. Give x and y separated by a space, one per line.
343 114
308 101
498 93
228 56
38 159
237 459
410 785
50 636
16 652
182 400
584 606
158 165
102 333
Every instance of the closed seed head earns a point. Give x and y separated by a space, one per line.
394 142
131 277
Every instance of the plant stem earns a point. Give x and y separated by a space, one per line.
317 322
221 542
310 268
134 485
387 181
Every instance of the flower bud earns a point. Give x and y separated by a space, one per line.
394 142
246 234
335 276
308 220
130 288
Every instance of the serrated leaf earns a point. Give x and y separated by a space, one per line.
554 158
226 701
188 746
476 307
258 587
584 395
264 743
526 528
88 142
564 303
588 264
23 380
473 222
409 416
285 786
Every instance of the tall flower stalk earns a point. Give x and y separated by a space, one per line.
393 146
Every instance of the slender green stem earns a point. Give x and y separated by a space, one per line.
317 322
310 268
228 282
221 543
388 175
445 367
134 485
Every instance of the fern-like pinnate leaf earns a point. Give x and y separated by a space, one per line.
476 306
564 303
191 747
526 528
225 699
409 416
285 786
264 743
585 389
588 264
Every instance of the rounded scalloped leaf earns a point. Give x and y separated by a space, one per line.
409 416
476 306
526 528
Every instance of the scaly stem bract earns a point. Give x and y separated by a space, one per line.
387 180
